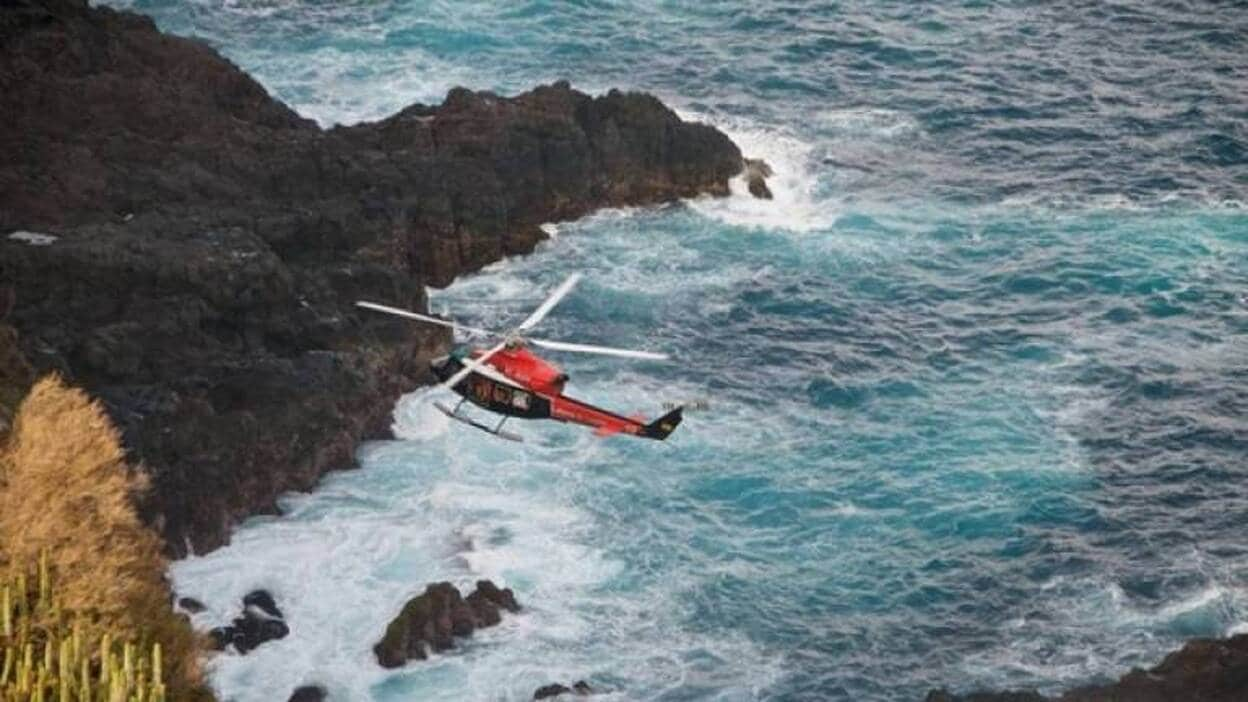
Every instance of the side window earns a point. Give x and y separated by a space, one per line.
520 400
502 394
481 389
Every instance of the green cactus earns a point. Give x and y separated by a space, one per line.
47 657
6 604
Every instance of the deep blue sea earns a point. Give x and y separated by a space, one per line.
978 376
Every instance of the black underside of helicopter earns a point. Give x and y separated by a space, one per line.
490 394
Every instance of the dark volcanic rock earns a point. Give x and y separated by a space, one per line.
487 599
1204 670
210 243
756 174
308 693
8 298
262 600
190 604
580 687
221 637
260 622
16 376
434 618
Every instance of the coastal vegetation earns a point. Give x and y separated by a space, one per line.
92 620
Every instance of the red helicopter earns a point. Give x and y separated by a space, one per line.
511 380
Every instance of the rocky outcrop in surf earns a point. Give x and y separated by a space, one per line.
260 622
580 688
431 621
1204 670
188 248
756 174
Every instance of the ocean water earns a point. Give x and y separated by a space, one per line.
978 376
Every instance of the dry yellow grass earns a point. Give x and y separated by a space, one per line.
66 488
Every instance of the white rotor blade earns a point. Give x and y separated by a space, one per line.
472 365
604 350
544 309
419 317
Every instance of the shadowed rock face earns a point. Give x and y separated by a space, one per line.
210 242
1204 670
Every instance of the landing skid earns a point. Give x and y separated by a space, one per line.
496 431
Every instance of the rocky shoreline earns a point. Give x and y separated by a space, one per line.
188 249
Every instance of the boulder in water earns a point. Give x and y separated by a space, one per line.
190 604
432 620
756 174
308 693
260 622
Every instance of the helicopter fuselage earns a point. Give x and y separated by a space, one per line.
516 383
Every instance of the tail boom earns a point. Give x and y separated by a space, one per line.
607 423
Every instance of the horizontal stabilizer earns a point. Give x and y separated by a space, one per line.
665 425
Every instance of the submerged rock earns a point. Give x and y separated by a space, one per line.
1204 670
432 620
210 243
580 688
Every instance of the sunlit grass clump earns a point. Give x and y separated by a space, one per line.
92 619
47 654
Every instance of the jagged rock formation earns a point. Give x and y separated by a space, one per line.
260 622
432 620
756 174
1204 670
205 243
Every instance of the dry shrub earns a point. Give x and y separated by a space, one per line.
66 488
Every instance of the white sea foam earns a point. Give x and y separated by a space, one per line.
796 205
333 87
1083 613
459 506
415 417
1078 204
871 122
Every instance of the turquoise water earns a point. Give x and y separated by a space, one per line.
978 376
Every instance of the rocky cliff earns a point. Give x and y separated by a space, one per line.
188 249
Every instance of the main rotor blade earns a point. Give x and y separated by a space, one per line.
420 317
604 350
472 365
544 309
